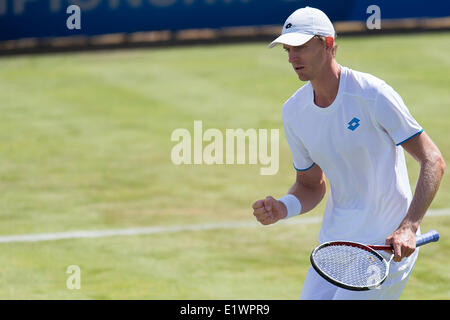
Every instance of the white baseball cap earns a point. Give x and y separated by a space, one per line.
302 25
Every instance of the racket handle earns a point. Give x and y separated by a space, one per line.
430 236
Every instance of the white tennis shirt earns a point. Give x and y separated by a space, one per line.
356 142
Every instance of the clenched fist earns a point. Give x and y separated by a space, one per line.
269 210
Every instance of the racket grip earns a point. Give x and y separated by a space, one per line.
430 236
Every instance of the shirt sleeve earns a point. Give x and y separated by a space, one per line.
300 155
394 117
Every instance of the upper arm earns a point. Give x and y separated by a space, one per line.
301 159
392 115
422 149
311 178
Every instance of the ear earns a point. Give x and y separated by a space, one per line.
329 42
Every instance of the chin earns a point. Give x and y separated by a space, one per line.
302 77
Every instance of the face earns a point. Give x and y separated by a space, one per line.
307 59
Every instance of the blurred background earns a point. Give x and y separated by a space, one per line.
87 115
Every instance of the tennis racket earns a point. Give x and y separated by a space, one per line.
355 266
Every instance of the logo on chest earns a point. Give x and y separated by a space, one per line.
353 124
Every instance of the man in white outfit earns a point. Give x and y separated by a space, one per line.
352 128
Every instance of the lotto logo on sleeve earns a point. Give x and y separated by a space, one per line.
353 124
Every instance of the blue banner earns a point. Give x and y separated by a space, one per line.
48 18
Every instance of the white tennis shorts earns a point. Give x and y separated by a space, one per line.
317 288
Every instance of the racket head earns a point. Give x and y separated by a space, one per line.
350 265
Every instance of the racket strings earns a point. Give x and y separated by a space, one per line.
350 265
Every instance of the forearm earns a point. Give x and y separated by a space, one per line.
309 197
430 176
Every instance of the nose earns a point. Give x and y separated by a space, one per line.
293 57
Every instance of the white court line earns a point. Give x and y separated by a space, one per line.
155 230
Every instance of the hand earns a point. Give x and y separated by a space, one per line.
269 210
403 241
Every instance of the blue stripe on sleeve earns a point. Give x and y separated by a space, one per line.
304 169
409 138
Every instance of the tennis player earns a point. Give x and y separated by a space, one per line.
352 128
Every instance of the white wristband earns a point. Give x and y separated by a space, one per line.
293 205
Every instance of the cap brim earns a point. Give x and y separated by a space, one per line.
291 39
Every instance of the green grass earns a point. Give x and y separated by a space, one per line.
85 145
